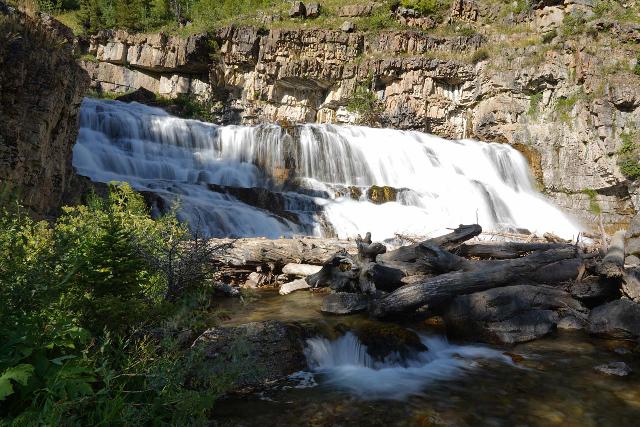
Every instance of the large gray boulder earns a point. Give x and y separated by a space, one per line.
617 319
514 314
269 350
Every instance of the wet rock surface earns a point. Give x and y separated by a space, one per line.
270 350
619 369
344 303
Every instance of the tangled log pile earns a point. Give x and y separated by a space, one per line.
499 291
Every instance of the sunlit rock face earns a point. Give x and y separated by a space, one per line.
311 179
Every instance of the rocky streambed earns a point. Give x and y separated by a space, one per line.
328 376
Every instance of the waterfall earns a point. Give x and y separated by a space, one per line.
312 179
345 364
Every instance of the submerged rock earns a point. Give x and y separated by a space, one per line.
269 350
617 319
619 369
388 339
514 313
344 303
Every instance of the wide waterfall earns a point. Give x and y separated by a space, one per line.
311 179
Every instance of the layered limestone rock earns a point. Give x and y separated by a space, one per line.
41 87
563 102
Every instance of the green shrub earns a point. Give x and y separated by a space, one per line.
365 103
564 107
594 206
78 304
629 158
480 55
636 68
573 24
549 36
534 104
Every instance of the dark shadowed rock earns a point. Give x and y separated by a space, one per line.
270 350
617 319
297 9
594 291
344 303
514 314
388 339
141 95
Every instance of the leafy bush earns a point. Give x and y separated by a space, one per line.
573 24
534 104
594 206
480 55
629 158
79 302
365 103
549 36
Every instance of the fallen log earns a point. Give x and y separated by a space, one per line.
505 250
253 252
438 290
447 242
612 265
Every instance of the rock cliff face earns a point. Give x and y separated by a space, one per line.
41 87
564 102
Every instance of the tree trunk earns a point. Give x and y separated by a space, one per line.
438 290
447 242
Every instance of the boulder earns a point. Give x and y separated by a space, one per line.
313 10
344 303
355 10
619 369
631 284
269 350
141 95
617 319
348 27
297 10
380 195
514 313
593 291
384 340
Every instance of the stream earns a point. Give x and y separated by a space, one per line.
551 381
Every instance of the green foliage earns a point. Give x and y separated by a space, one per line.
594 206
521 6
549 36
573 24
564 107
629 158
188 106
365 103
379 20
78 304
534 104
480 55
636 68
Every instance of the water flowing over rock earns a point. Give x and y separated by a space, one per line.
283 182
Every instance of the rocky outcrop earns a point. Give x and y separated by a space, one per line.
41 88
563 102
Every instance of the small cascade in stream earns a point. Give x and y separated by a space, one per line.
313 179
345 364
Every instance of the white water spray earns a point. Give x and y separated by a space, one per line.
306 173
345 364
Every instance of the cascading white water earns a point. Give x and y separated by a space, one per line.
345 364
305 176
